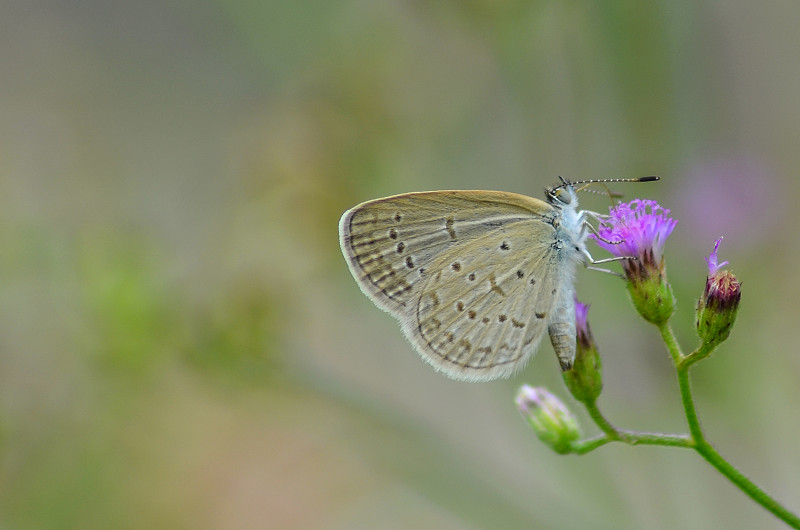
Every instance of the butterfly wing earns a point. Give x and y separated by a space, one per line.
469 274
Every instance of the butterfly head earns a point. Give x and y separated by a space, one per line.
562 195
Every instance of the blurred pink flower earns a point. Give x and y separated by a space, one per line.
736 196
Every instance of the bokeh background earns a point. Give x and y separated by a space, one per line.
182 346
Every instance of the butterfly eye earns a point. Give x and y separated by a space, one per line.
563 196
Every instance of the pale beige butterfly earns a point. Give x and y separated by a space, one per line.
475 278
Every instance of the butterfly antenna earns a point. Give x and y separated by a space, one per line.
611 194
650 178
565 182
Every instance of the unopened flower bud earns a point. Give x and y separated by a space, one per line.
550 419
585 379
717 308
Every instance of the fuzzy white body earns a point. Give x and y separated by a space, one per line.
475 278
571 237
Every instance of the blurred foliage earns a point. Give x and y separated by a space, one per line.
182 346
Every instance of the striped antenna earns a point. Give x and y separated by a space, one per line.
612 195
650 178
565 182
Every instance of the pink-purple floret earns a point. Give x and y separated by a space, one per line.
581 312
638 226
713 260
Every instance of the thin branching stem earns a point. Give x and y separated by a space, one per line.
695 440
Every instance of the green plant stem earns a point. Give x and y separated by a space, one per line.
656 438
695 440
688 402
632 438
613 434
671 342
698 441
585 446
610 431
745 484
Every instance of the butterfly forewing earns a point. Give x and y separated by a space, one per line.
459 270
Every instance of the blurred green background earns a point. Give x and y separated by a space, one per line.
182 346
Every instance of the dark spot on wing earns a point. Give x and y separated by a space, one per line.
409 262
502 318
400 247
505 246
456 266
540 315
393 233
448 225
520 274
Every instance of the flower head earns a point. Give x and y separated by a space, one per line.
717 308
585 379
550 419
638 230
582 324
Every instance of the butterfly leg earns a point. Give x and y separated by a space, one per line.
598 269
595 215
589 261
587 227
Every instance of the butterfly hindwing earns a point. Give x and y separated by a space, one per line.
487 304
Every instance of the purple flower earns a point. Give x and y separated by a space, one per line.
581 312
712 260
636 229
585 379
582 325
717 308
723 290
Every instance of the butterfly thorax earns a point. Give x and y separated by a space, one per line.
570 237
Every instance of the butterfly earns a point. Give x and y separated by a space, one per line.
476 278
